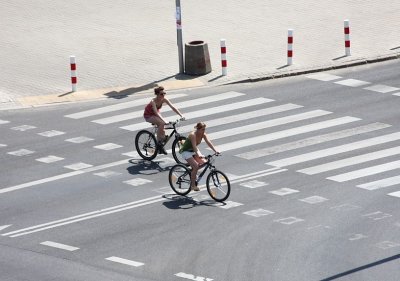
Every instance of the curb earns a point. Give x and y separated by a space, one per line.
118 92
280 74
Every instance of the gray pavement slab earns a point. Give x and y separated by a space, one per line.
131 45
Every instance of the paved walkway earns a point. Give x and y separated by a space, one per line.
123 47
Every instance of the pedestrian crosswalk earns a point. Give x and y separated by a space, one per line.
285 135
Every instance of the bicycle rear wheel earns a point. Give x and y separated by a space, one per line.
218 186
146 145
176 145
179 179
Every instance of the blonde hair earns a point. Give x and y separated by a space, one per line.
200 125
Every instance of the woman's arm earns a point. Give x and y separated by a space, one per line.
209 143
173 107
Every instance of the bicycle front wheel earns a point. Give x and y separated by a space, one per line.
146 145
176 145
218 186
179 179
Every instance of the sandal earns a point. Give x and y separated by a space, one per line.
195 188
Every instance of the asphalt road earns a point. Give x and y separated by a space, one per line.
313 161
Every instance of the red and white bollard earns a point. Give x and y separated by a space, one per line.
347 37
290 47
73 73
224 62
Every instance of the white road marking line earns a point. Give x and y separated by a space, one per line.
258 213
62 176
380 183
21 152
23 128
78 166
287 133
283 191
125 261
50 159
323 76
107 174
381 88
289 220
180 105
351 161
352 82
314 199
107 146
83 217
4 226
394 194
51 133
268 124
312 141
396 94
4 122
192 277
366 172
79 140
335 150
59 246
205 112
115 107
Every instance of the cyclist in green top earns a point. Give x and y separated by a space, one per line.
192 154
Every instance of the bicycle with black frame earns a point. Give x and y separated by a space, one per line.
147 146
218 185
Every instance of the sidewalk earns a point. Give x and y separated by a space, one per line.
126 47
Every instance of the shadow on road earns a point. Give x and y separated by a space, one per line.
129 91
144 167
354 270
177 202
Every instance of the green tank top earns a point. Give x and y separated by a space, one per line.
187 146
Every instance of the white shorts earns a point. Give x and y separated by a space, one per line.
187 154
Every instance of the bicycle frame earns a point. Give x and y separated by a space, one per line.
173 128
206 166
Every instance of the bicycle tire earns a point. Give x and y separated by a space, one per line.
146 145
176 145
179 179
218 186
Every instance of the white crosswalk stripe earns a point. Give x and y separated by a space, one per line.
180 105
268 124
351 161
366 172
115 107
335 150
206 112
312 141
286 133
381 183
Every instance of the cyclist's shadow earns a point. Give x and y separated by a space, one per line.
178 202
145 167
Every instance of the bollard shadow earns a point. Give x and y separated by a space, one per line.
133 90
216 78
341 57
283 66
178 202
67 93
395 48
364 267
144 167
